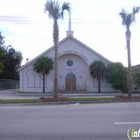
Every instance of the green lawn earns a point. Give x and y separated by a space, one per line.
4 88
19 101
39 101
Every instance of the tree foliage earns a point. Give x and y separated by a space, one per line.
10 59
43 65
1 68
97 70
136 77
1 53
55 11
1 64
116 75
128 18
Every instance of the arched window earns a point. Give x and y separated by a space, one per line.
70 75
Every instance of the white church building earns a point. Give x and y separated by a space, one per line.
74 59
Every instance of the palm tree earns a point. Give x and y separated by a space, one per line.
97 70
127 20
43 65
55 11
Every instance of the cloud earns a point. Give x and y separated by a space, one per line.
28 29
30 47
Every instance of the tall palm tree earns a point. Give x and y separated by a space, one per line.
43 65
127 20
97 70
55 11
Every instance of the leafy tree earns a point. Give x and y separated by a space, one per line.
55 11
1 65
97 70
1 68
43 65
127 20
11 61
136 77
1 52
115 75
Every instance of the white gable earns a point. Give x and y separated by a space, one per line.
71 45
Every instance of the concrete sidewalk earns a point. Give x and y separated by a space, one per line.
12 94
70 94
8 91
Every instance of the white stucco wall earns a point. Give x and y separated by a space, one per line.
79 69
69 49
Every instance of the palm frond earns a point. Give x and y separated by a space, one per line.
135 10
65 6
53 9
123 13
43 64
128 18
97 69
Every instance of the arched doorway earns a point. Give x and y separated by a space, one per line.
70 82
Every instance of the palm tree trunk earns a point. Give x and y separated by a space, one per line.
55 39
43 81
99 85
129 76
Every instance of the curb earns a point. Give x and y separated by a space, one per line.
71 102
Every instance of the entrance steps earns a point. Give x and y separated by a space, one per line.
71 91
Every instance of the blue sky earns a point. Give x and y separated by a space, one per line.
96 23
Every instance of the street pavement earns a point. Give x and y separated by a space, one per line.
69 122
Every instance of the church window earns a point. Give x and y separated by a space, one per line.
69 62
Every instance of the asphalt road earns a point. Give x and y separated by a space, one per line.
108 121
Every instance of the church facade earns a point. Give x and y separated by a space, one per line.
74 59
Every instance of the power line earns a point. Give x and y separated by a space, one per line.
31 20
15 21
22 17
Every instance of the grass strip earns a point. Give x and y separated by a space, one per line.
7 88
39 101
19 101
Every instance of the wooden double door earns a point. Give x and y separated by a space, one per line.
70 82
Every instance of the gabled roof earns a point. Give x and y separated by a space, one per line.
63 40
89 48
